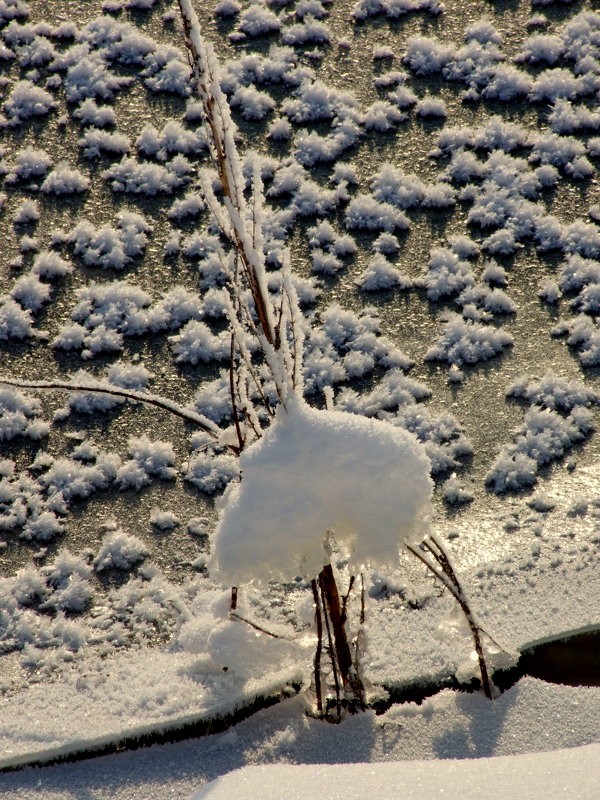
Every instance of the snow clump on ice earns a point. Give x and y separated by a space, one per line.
26 100
119 551
18 414
304 478
107 247
65 180
558 418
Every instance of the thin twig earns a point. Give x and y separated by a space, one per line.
449 578
235 615
362 599
319 648
332 652
329 587
346 598
128 394
236 420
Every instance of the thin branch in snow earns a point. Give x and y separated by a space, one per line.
235 615
242 222
332 652
446 574
319 648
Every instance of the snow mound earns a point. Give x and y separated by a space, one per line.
304 478
536 776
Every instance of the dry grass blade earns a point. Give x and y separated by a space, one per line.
445 573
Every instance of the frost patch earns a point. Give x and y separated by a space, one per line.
107 247
134 177
468 342
119 551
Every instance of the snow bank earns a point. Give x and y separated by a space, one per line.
314 471
540 776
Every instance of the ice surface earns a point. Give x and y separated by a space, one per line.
503 209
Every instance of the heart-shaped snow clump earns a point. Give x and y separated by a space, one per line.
315 471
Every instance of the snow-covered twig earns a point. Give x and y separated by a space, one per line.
242 222
128 394
319 647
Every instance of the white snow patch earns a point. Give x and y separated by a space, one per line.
303 479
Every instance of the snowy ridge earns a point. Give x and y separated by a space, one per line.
531 776
105 710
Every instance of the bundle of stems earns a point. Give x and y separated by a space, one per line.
276 326
278 331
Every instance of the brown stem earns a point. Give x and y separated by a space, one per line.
236 420
235 615
319 649
127 394
343 653
334 610
345 600
362 599
332 651
449 578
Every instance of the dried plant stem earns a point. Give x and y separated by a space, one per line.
332 652
346 598
233 394
319 648
235 615
127 394
205 74
335 613
445 573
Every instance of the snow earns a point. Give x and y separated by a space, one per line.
27 213
544 437
380 274
90 113
475 238
95 143
425 56
134 177
15 321
433 107
310 30
319 449
196 342
537 777
464 341
29 163
26 100
252 103
107 247
257 19
119 551
365 213
64 179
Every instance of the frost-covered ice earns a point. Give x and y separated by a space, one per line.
434 174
